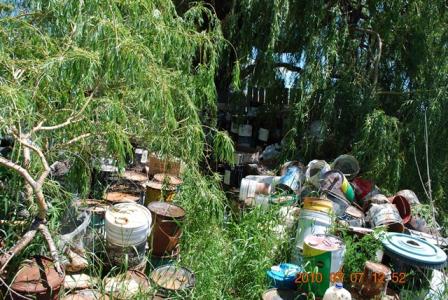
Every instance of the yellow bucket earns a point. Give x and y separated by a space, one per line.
318 204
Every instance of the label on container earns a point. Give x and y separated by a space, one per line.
144 158
227 177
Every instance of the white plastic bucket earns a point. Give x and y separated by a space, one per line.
311 222
127 224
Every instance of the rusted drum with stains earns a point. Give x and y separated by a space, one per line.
385 215
166 231
403 207
122 197
375 279
37 279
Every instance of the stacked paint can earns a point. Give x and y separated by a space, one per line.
127 227
324 253
314 218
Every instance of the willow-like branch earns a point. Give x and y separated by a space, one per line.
22 172
76 117
41 155
19 246
51 246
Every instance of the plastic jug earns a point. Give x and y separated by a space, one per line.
337 292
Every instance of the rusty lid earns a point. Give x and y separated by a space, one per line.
170 179
159 185
134 176
166 209
377 268
120 197
37 276
324 242
93 205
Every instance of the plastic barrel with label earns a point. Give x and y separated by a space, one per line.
326 253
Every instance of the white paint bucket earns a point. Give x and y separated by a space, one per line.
127 224
311 222
263 134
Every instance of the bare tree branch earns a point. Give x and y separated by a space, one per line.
67 122
76 139
76 117
51 246
19 246
41 156
26 165
22 172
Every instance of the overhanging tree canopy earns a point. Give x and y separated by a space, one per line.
84 78
369 70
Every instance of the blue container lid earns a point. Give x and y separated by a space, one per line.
284 272
413 250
